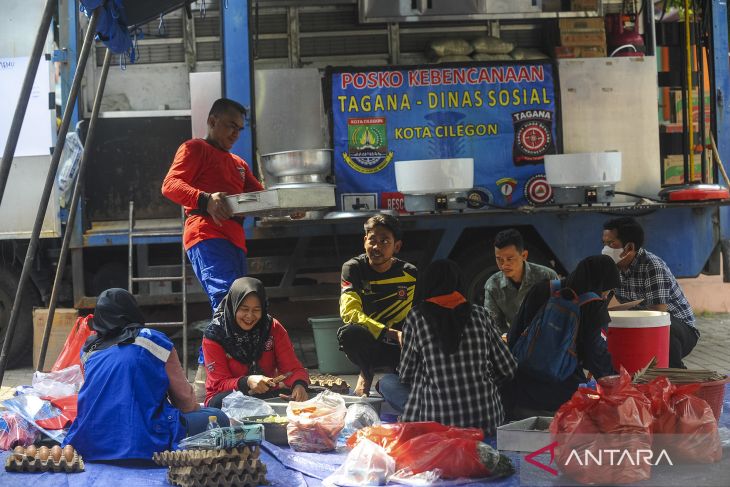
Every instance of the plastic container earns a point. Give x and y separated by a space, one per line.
279 405
331 359
634 337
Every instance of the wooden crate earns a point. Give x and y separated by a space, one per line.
63 322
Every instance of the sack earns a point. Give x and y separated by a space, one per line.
71 351
546 349
315 424
449 47
491 45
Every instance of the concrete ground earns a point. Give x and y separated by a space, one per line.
711 351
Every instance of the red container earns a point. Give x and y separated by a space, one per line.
634 337
714 393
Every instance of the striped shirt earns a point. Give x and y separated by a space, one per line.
458 389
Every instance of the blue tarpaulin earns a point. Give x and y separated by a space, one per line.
286 468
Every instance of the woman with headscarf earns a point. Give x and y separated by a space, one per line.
453 357
245 349
528 395
135 399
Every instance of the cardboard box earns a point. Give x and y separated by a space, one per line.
674 168
63 322
562 52
583 38
583 5
590 24
529 434
676 112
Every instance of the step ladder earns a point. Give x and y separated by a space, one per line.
134 236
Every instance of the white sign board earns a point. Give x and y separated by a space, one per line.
35 135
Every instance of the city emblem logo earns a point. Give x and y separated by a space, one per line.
367 145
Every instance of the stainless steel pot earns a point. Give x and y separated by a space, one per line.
298 162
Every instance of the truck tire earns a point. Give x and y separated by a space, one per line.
478 265
20 352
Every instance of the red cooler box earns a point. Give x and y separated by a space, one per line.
634 337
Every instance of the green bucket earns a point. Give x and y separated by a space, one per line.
331 359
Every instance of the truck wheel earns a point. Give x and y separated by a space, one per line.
20 352
478 265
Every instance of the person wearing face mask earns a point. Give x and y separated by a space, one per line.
644 276
247 350
527 395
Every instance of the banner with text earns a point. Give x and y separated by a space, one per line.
503 115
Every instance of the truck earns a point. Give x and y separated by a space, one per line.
312 73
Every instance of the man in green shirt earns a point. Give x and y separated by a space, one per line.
506 289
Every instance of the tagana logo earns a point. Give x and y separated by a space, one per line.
618 457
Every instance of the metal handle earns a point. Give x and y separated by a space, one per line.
242 198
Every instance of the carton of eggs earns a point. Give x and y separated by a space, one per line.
44 459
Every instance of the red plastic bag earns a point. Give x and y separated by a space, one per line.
684 424
68 407
15 431
71 351
455 457
616 417
391 436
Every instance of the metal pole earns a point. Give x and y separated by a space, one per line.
50 180
30 72
74 207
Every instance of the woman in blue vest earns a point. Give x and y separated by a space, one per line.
135 399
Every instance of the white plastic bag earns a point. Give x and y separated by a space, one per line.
62 383
32 408
237 406
359 415
70 157
315 424
366 464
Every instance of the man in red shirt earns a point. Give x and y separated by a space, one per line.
203 172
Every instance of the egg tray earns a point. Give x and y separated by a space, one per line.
331 382
225 479
196 458
252 466
35 464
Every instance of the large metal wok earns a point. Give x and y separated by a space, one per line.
298 163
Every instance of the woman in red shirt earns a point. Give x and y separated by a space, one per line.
245 349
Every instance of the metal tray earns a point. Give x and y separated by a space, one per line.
529 434
283 201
